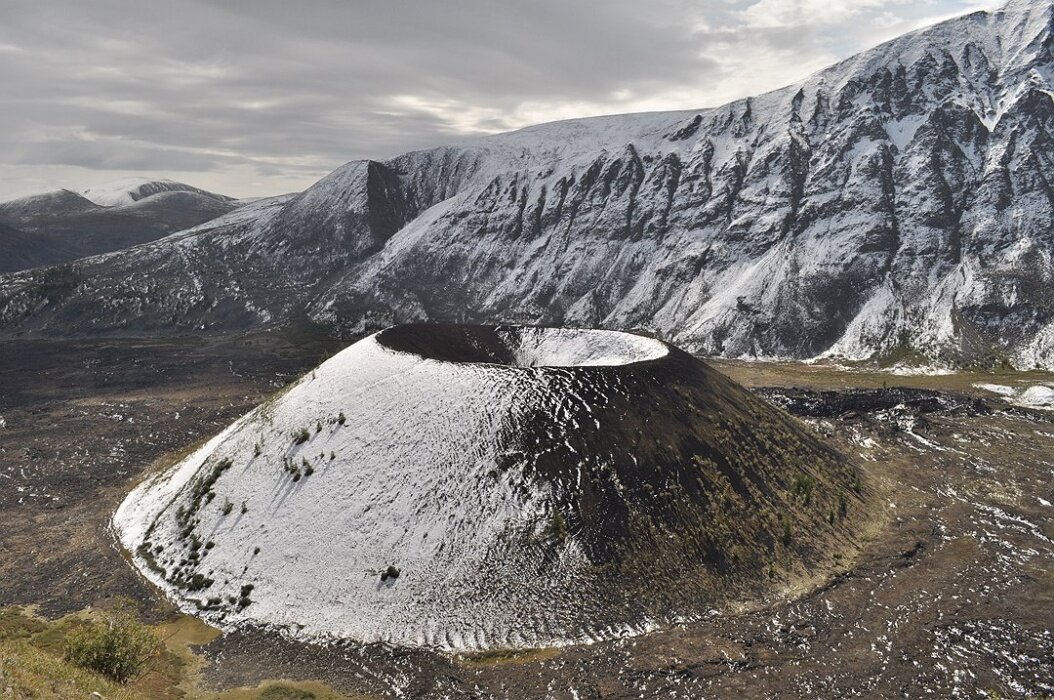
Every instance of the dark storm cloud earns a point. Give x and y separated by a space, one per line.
290 90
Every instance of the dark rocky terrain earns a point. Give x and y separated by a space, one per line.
893 204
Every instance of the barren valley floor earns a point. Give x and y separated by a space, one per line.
952 593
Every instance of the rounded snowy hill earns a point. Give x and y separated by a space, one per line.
129 190
470 487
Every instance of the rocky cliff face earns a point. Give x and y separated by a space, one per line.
897 202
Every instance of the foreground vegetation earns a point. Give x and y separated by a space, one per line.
119 646
90 652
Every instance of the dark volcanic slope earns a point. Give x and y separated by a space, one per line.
477 487
61 226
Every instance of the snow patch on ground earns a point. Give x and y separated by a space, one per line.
1035 396
1038 396
1000 389
906 370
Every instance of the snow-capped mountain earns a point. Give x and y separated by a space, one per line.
128 190
472 487
896 202
55 227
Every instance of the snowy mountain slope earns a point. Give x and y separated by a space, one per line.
128 190
473 487
25 210
894 203
60 226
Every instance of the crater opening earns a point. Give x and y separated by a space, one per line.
522 346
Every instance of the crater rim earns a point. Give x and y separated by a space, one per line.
522 347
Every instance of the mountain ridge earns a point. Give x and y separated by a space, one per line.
893 202
129 190
60 226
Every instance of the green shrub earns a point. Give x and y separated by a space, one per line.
199 582
280 691
556 529
119 647
301 436
803 487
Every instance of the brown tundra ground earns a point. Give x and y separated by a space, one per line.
950 595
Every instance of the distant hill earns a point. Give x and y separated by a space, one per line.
60 226
126 191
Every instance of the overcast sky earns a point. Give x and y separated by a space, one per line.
257 97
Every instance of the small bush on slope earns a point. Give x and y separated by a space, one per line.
280 691
32 667
118 647
29 672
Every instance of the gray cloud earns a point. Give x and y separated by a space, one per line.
253 97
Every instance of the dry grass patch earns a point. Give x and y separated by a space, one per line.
500 657
33 664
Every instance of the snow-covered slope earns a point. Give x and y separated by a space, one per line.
128 190
894 203
473 487
59 203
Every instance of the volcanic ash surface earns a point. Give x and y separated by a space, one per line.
470 487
